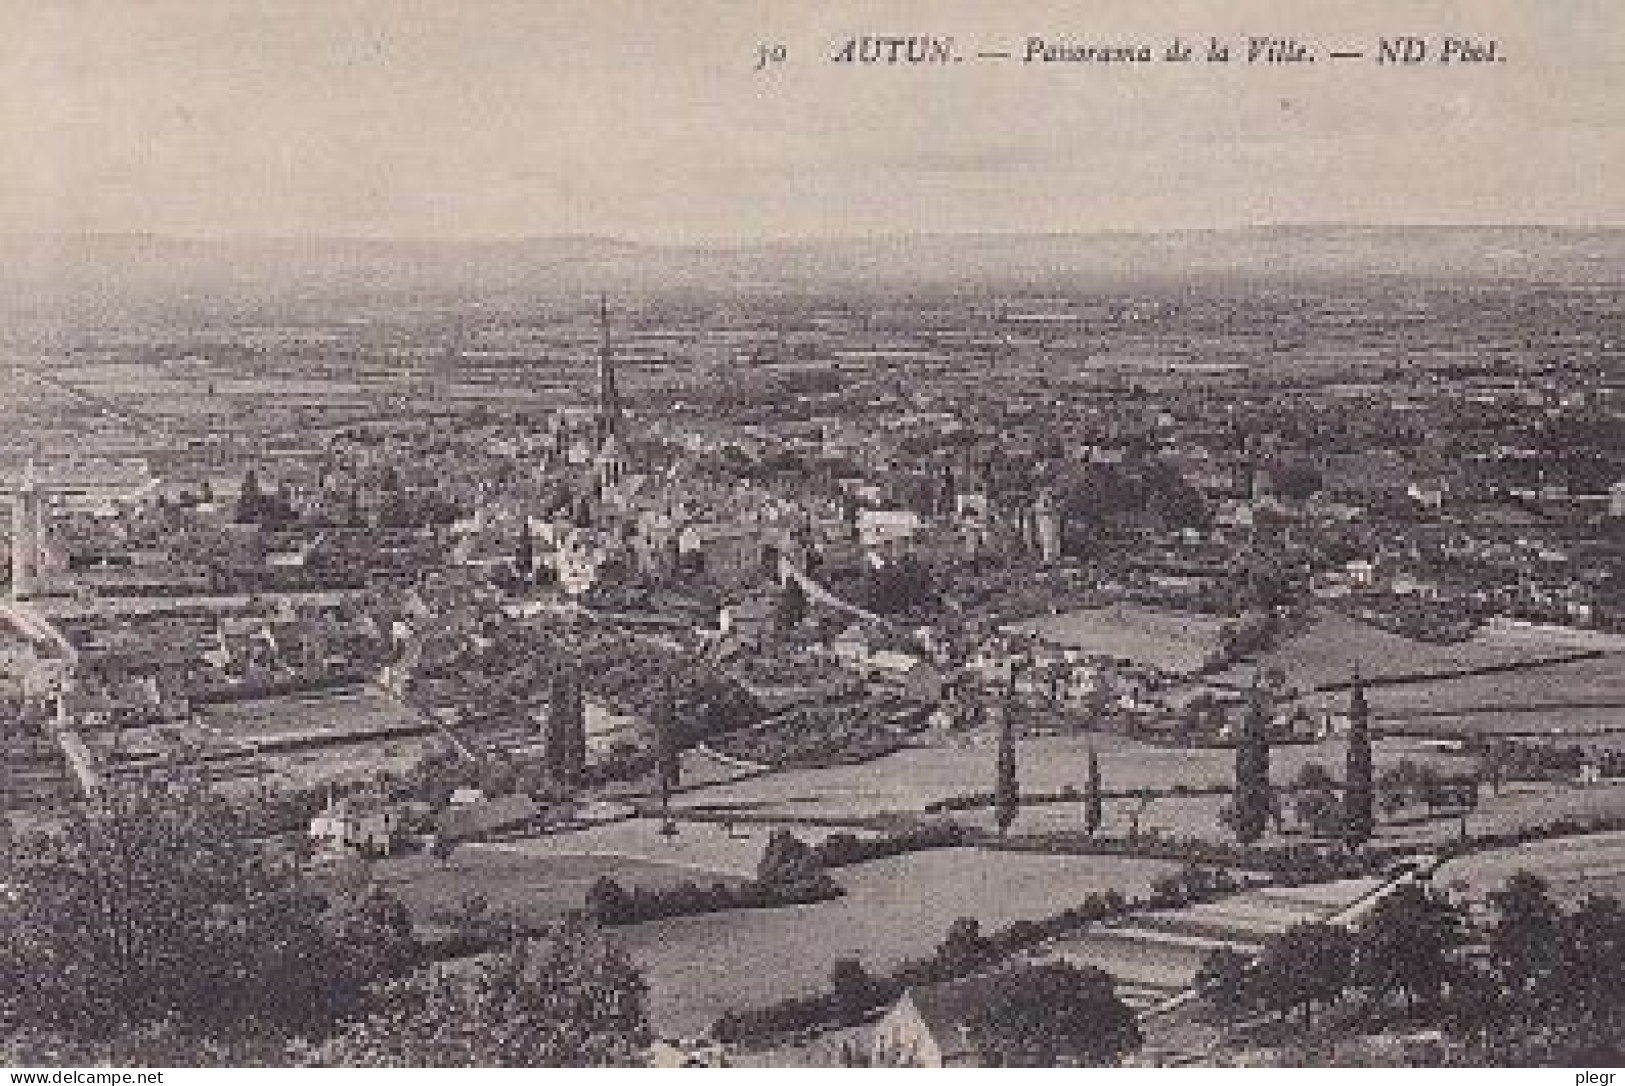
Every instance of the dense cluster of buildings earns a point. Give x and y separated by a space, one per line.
926 528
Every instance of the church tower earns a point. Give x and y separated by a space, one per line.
609 464
609 396
609 467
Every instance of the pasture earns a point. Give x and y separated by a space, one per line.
1519 805
536 889
1326 652
896 908
1571 698
319 714
1155 955
1175 641
707 850
910 779
1573 867
355 762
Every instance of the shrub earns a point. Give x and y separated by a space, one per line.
611 904
844 849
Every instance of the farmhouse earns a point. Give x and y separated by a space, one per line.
941 1025
930 1027
368 826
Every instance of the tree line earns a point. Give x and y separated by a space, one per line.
151 927
1533 973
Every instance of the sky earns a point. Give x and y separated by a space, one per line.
645 119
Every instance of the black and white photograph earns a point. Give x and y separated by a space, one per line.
783 534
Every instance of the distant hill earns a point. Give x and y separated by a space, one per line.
83 277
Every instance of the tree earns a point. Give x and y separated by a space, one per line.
1315 801
497 776
1429 787
1052 1015
899 585
1359 793
571 999
790 609
1297 479
1006 789
1054 676
159 1044
1524 941
786 860
608 902
964 949
250 500
853 988
1304 965
1408 942
1479 1002
376 927
668 752
1493 763
1092 804
1143 798
1593 965
567 728
524 557
1222 978
1252 793
151 905
1396 788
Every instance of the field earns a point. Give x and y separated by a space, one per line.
1174 641
535 889
1193 816
1516 805
1155 955
139 385
910 779
1580 724
898 908
1152 956
705 849
356 762
296 740
700 966
329 713
543 876
1574 867
1334 644
1576 697
1148 966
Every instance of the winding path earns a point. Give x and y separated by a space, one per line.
817 593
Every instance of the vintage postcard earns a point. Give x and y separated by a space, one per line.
760 533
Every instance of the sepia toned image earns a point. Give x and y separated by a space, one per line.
759 533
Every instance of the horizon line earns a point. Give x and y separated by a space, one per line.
797 239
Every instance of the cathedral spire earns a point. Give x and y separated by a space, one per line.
609 397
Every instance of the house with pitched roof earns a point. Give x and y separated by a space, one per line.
933 1025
